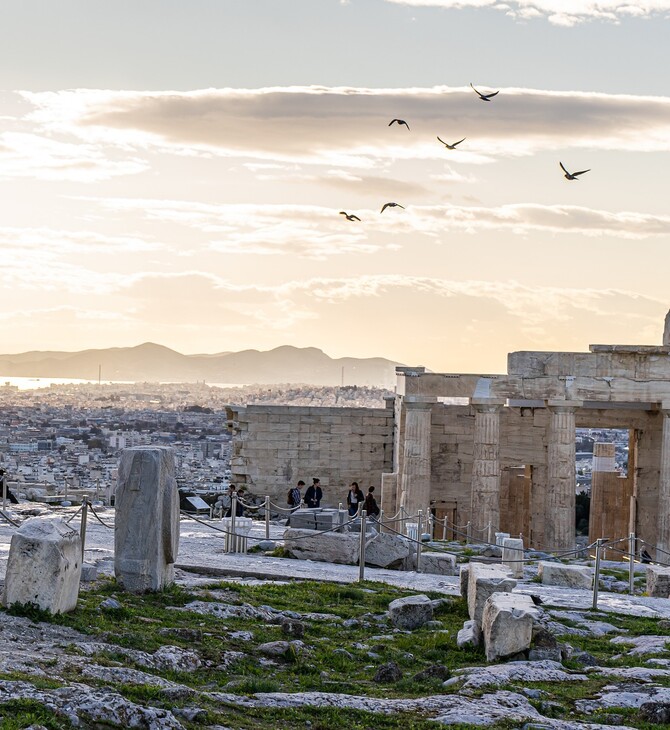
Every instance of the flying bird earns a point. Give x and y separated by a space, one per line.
349 216
391 205
484 97
572 175
398 121
451 146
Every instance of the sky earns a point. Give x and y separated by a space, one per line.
174 171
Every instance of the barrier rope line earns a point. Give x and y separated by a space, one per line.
69 519
95 514
9 519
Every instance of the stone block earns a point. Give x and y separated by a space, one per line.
385 550
507 624
464 580
658 581
500 537
410 613
44 566
485 580
146 534
329 547
438 563
469 635
569 576
512 555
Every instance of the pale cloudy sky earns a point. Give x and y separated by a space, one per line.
173 171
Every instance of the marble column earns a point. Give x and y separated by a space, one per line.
415 474
485 495
663 524
561 483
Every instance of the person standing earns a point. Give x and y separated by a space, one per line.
370 505
10 494
294 496
314 493
354 498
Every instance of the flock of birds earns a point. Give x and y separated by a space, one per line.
401 122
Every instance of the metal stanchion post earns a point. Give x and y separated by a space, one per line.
97 490
361 560
444 529
267 516
468 533
489 532
82 527
232 538
4 491
631 565
596 576
65 499
419 543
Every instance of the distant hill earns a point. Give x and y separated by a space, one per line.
151 362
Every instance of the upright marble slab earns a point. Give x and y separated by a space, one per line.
146 535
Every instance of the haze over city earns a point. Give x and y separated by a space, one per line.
174 172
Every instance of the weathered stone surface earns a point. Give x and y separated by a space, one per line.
569 576
512 555
146 534
44 566
507 624
388 673
464 575
331 547
483 581
643 644
385 550
281 648
468 635
500 675
411 612
439 563
658 581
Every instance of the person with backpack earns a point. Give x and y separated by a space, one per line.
294 498
370 505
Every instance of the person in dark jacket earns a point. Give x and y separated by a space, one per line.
10 494
354 498
370 505
314 494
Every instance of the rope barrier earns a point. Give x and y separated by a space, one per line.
74 515
9 519
95 514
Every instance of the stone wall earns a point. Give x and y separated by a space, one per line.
275 446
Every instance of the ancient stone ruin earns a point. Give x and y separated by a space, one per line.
146 535
495 450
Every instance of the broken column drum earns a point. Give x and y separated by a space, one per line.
146 535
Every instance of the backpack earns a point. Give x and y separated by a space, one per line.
289 497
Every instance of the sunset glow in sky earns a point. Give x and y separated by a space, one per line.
173 171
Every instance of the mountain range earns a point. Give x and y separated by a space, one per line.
152 362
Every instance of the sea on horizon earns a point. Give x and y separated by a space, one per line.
36 383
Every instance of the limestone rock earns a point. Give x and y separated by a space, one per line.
507 624
569 576
643 644
502 675
388 673
176 659
512 555
411 612
483 581
44 566
464 575
385 549
439 563
146 533
468 635
330 547
658 581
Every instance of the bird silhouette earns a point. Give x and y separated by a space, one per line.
391 205
572 175
349 216
398 121
484 97
451 146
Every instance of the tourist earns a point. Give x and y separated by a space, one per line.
370 505
3 487
314 494
354 498
229 508
294 497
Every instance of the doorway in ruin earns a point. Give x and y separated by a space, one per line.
515 500
605 483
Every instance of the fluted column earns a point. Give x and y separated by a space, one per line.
663 530
485 495
415 475
561 482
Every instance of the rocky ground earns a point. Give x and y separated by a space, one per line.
267 652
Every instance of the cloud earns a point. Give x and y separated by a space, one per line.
347 127
559 12
33 156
